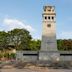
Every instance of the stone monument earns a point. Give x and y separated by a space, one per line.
49 44
48 51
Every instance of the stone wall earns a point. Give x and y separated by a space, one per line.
44 56
27 55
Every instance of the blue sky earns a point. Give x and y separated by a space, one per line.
28 14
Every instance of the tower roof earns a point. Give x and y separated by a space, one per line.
49 9
48 6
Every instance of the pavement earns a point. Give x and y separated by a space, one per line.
36 70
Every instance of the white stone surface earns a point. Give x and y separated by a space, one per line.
49 33
27 55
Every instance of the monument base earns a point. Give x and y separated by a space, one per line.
49 56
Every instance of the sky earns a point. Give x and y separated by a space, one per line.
28 14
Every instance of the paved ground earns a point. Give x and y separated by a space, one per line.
32 70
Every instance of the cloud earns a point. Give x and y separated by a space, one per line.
10 24
66 35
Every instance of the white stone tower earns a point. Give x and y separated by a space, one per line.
49 30
49 44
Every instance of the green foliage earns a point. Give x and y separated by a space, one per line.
20 38
6 55
1 55
12 56
35 45
9 56
59 44
64 45
3 40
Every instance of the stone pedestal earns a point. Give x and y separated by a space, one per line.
49 56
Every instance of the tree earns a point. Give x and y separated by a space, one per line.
59 44
64 45
67 44
3 40
20 38
35 45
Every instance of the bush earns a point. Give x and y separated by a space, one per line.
1 55
12 55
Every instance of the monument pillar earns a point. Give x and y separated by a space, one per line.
49 44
